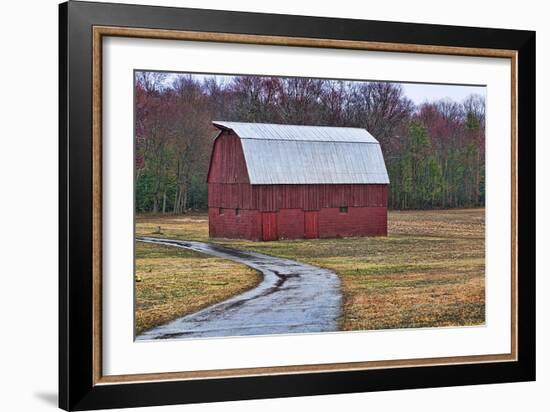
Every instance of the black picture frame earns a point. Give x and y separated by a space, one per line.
77 390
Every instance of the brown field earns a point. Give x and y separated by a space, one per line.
428 272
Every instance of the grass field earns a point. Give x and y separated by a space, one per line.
171 282
428 272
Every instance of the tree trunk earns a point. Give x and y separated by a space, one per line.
176 197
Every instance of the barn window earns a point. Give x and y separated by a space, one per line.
343 209
237 212
221 211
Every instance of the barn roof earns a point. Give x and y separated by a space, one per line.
289 154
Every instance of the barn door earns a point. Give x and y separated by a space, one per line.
269 226
311 223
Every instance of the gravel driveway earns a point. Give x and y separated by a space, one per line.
292 298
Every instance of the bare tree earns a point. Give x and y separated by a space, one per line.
434 152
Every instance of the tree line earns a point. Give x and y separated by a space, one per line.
434 152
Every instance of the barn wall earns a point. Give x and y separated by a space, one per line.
358 221
227 164
304 197
290 224
245 225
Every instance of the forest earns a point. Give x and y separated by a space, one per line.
434 152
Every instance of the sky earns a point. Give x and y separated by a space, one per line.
418 92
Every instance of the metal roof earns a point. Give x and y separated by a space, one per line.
290 154
269 131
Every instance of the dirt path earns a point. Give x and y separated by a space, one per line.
292 298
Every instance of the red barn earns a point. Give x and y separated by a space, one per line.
270 181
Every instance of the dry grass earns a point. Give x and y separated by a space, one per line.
171 282
428 272
188 227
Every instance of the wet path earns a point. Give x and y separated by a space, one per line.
292 298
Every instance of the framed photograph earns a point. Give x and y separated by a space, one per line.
257 205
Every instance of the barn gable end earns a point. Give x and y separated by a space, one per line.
227 163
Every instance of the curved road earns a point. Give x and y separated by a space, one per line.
292 298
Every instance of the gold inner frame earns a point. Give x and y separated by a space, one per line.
101 31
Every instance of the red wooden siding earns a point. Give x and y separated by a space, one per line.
227 163
311 224
290 223
298 224
245 225
358 221
306 197
269 226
